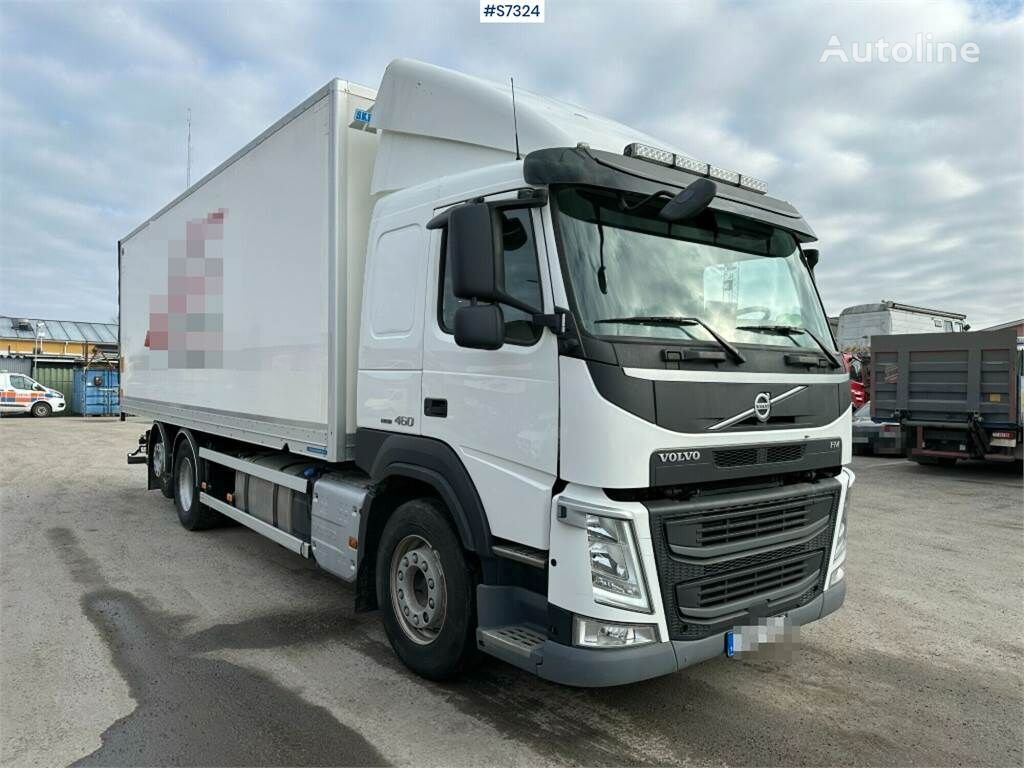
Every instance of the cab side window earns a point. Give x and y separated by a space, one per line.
20 382
522 278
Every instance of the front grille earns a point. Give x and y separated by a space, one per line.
792 452
735 457
745 457
747 548
740 526
733 588
736 587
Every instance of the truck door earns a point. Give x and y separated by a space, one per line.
498 409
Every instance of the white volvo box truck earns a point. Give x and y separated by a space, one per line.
544 388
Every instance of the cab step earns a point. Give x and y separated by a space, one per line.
512 624
519 644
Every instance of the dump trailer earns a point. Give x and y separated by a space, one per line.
536 384
957 396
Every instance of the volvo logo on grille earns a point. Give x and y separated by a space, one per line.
763 406
678 456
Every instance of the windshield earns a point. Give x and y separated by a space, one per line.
743 279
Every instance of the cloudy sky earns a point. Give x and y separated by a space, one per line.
911 173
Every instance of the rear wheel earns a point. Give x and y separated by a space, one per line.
42 410
159 464
426 590
192 514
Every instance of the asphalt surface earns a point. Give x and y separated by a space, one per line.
126 640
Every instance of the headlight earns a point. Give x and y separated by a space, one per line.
615 570
592 633
835 565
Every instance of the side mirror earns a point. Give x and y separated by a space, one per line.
811 257
476 255
480 326
478 234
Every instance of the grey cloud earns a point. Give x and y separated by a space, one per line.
912 174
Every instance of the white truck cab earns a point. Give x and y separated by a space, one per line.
22 394
574 401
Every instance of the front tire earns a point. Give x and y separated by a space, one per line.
426 590
192 514
41 410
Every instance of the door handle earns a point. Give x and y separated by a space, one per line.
434 406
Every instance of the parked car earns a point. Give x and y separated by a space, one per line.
875 437
21 394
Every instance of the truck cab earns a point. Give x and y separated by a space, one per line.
641 406
23 394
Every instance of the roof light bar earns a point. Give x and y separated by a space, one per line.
691 165
722 174
754 185
645 152
698 167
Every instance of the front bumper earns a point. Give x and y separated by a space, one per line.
590 668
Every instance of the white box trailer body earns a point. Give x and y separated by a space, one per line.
240 301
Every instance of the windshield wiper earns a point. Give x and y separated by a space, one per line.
793 330
679 322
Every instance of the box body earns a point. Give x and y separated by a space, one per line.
239 302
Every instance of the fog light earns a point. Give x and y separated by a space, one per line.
591 633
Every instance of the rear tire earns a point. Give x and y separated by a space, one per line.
192 514
426 590
159 463
41 410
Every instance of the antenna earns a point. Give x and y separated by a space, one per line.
515 123
188 148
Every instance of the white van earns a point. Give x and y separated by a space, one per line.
21 394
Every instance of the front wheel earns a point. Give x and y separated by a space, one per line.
426 590
42 410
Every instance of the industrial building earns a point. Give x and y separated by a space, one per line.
57 354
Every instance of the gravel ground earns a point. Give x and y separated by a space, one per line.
126 640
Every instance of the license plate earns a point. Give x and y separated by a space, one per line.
1003 442
860 439
743 639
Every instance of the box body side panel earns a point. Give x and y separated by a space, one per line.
225 295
